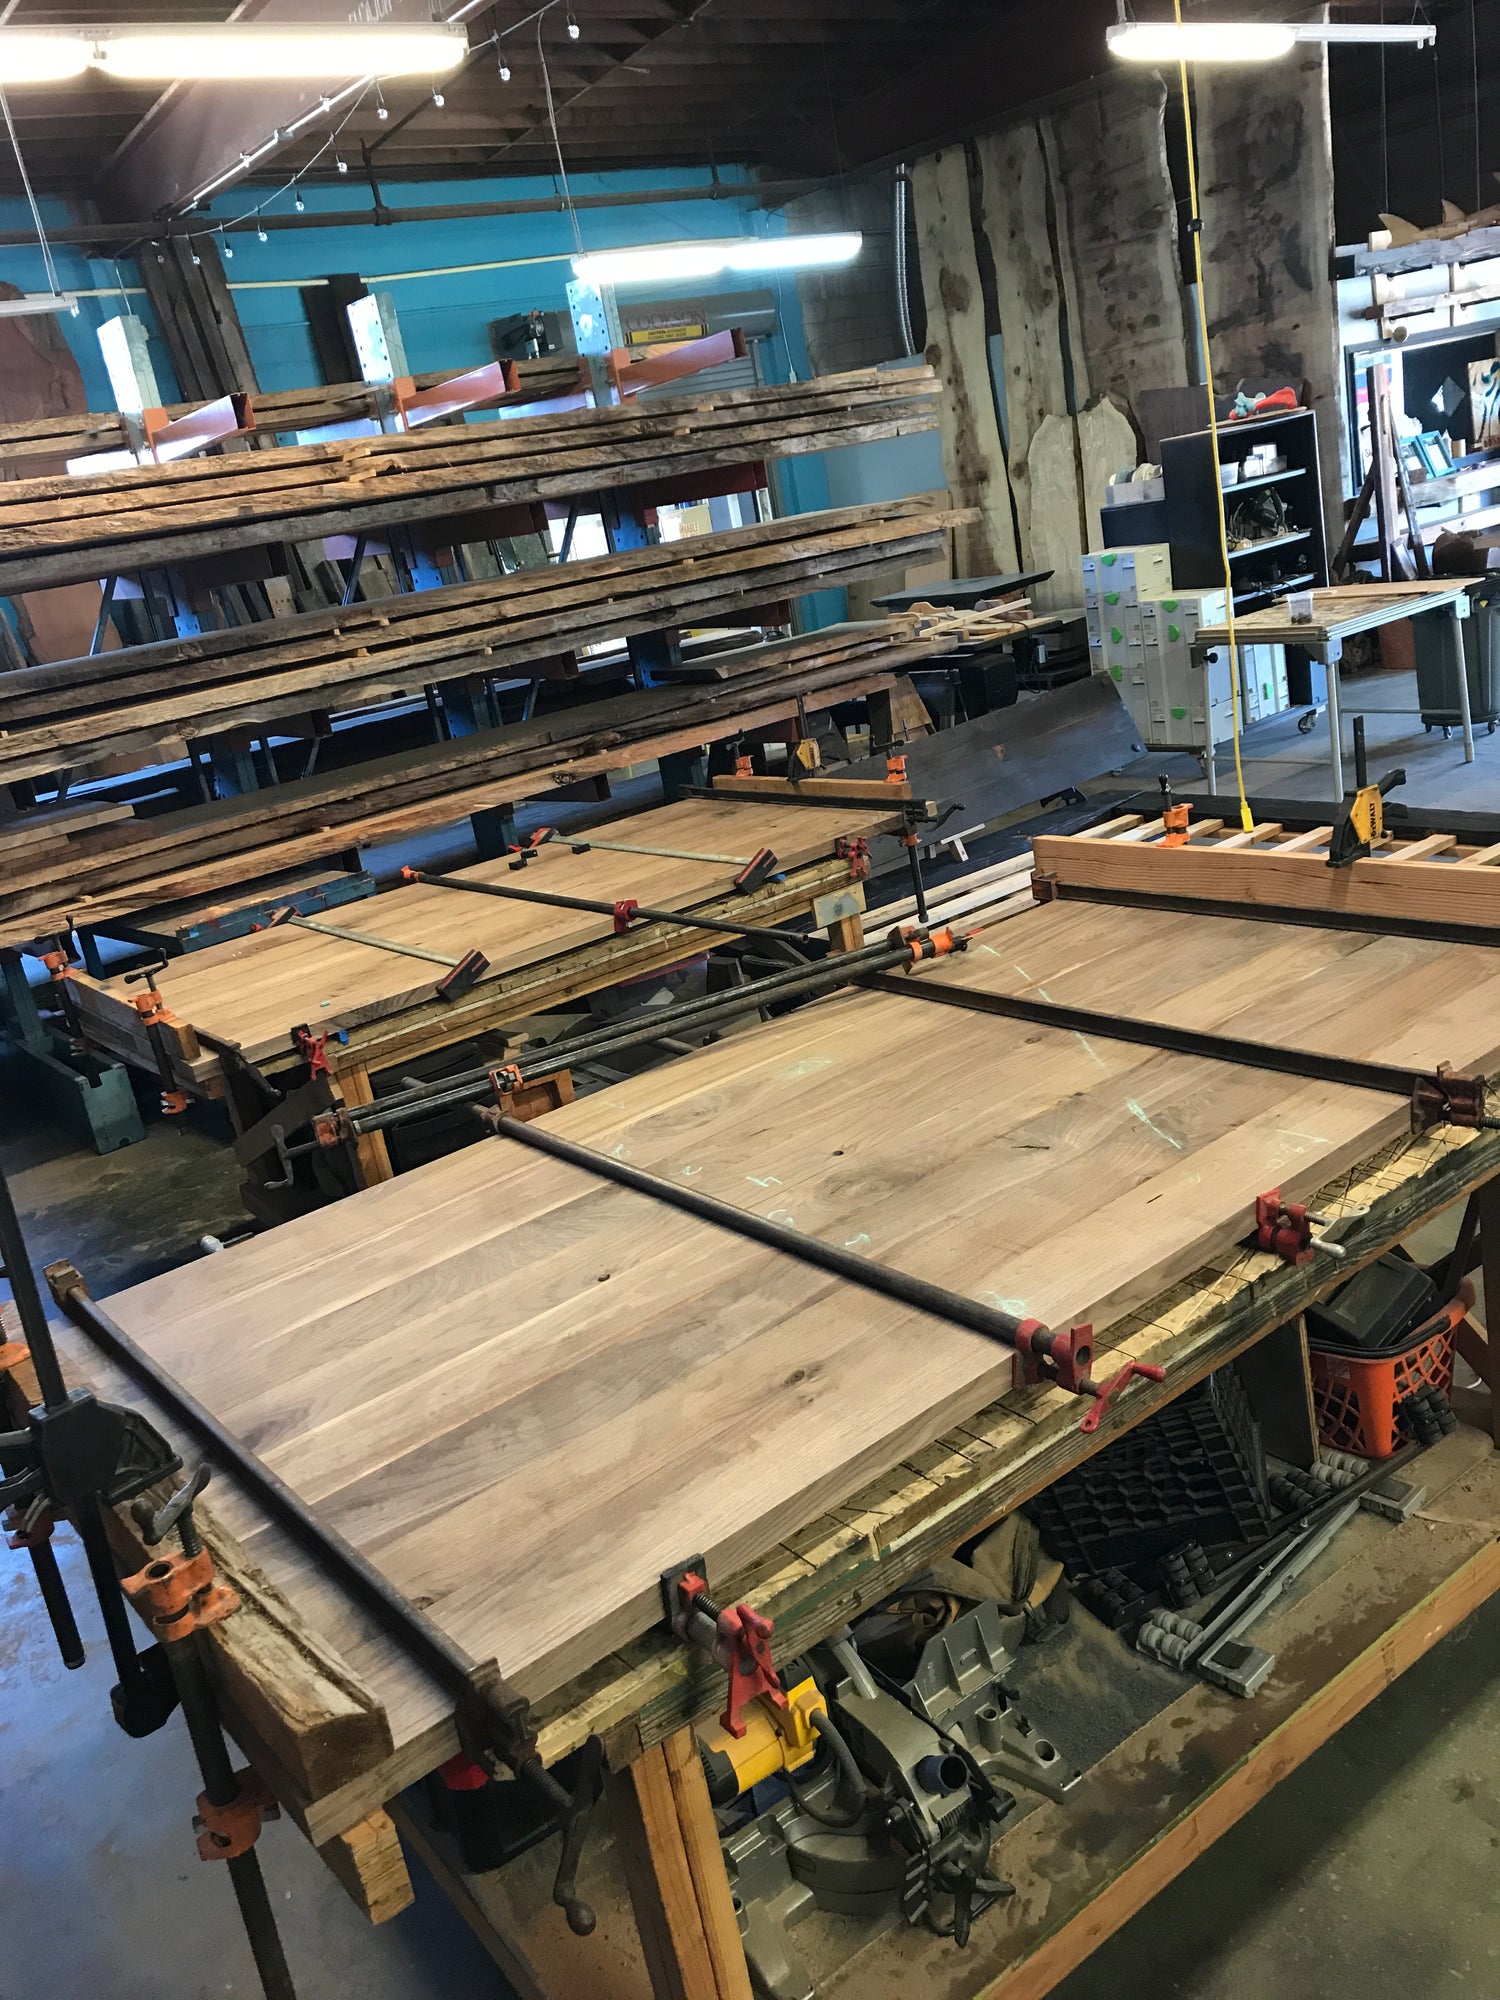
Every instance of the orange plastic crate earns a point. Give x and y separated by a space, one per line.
1356 1399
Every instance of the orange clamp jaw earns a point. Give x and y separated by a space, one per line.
178 1594
228 1831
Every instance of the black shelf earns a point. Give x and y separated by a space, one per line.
1191 505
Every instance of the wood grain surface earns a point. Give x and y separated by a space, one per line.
499 1376
253 990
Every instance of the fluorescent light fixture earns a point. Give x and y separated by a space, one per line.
37 58
1244 41
233 52
30 303
658 262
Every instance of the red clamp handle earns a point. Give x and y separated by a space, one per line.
1105 1396
1283 1227
746 1640
624 912
313 1050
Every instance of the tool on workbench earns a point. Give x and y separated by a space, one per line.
755 870
623 911
734 1635
158 1021
463 973
77 1456
1361 822
1175 815
1287 1228
1216 1648
863 1804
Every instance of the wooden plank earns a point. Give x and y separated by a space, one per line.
1419 850
369 1863
958 348
1423 891
1056 539
1106 443
660 1874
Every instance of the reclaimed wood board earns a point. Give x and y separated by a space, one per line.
498 1370
64 530
253 990
197 850
395 646
1337 613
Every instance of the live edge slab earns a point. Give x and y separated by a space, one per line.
523 1393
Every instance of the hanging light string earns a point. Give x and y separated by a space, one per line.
249 215
356 91
36 214
1195 227
562 172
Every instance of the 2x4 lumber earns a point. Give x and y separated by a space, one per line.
675 1874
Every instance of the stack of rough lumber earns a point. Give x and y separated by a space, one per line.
43 441
205 848
64 530
54 715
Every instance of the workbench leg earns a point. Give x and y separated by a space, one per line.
848 934
1481 1350
372 1161
1335 732
675 1872
1461 668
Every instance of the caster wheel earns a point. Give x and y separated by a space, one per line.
1447 733
1489 729
1305 724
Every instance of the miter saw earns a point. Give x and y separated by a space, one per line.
867 1796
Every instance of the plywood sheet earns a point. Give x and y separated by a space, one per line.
523 1392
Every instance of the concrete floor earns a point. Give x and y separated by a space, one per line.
1371 1869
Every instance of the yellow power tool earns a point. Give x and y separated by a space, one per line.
775 1740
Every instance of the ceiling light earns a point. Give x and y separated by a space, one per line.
438 99
36 58
654 262
504 70
37 302
299 204
572 29
1243 41
235 52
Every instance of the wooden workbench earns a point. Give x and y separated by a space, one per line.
378 1007
496 1373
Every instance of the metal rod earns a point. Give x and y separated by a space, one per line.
55 1598
641 913
106 605
917 886
1387 1078
351 588
1438 930
117 1626
366 937
920 1294
221 1788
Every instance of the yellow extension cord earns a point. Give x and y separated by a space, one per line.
1246 818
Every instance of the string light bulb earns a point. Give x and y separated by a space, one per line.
341 163
572 28
504 70
382 110
225 246
298 203
261 236
438 99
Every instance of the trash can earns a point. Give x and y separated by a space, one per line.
1437 686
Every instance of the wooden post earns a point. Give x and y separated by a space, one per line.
675 1872
848 933
372 1161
